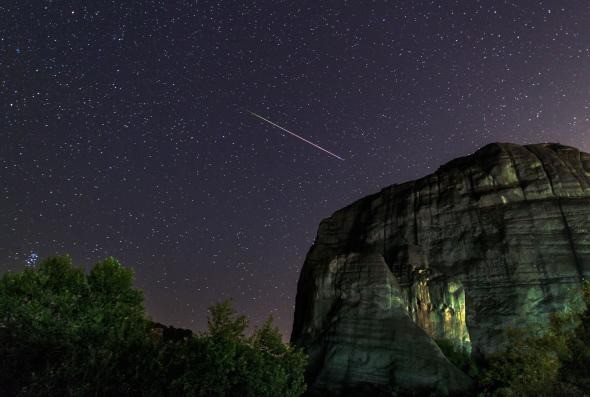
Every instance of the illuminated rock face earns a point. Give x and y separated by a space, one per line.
496 239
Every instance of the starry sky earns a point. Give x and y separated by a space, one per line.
125 128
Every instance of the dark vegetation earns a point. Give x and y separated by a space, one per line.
553 361
67 333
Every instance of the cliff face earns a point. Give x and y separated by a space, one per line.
497 239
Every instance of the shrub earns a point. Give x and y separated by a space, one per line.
65 333
556 362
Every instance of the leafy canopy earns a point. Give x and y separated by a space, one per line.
67 333
553 363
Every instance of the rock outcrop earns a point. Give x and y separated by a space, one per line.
497 239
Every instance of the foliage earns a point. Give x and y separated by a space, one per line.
224 362
66 333
528 366
575 369
556 362
225 323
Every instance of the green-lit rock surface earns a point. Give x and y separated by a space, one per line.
496 239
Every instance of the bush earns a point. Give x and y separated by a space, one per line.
553 363
528 367
574 373
65 333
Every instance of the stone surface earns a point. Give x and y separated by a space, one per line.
493 240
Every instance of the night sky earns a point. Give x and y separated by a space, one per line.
125 128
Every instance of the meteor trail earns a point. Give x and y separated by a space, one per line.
295 135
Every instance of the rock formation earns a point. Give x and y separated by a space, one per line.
497 239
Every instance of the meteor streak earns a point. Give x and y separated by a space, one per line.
296 136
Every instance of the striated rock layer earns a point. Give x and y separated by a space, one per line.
493 240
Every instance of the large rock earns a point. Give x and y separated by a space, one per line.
493 240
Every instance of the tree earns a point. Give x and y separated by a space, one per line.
575 368
224 322
261 365
276 367
554 362
65 333
528 366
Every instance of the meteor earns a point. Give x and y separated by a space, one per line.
296 136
